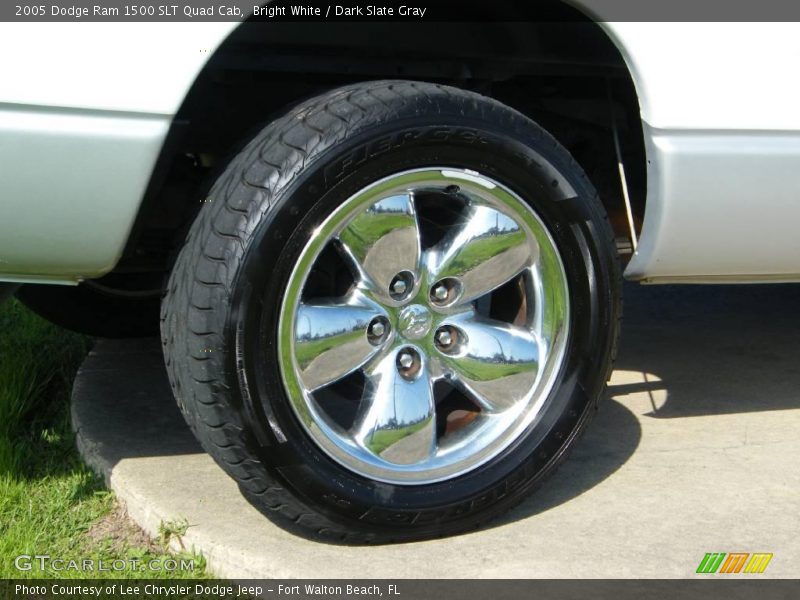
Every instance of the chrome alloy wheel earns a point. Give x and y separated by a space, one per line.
447 339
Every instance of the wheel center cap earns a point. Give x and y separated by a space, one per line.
414 321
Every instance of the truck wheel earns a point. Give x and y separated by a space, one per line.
395 313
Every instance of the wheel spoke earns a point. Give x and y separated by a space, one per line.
398 418
486 251
428 255
383 241
331 338
498 364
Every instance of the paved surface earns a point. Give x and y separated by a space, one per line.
695 450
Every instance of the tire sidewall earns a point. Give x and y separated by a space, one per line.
530 163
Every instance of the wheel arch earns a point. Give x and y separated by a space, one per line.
260 68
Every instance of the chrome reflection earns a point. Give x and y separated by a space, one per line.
332 338
412 318
496 362
486 251
399 422
383 241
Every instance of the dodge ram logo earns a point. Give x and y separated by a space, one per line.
414 321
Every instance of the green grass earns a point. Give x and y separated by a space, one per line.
381 440
483 249
478 370
363 232
307 351
50 502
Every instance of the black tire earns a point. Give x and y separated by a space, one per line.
220 311
96 308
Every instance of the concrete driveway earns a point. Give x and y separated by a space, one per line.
694 451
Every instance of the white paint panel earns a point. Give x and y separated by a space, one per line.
726 76
140 67
720 101
72 180
71 184
722 206
719 104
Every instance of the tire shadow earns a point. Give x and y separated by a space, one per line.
698 350
609 441
705 350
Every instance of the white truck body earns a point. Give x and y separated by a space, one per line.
82 125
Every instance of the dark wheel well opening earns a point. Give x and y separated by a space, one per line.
567 75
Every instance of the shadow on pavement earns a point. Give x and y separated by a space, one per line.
716 349
709 350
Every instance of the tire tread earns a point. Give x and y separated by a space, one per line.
195 307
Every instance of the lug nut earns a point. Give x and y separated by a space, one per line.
443 337
409 363
377 331
448 339
401 285
440 293
445 291
406 360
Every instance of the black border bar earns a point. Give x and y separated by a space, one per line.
713 587
399 11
